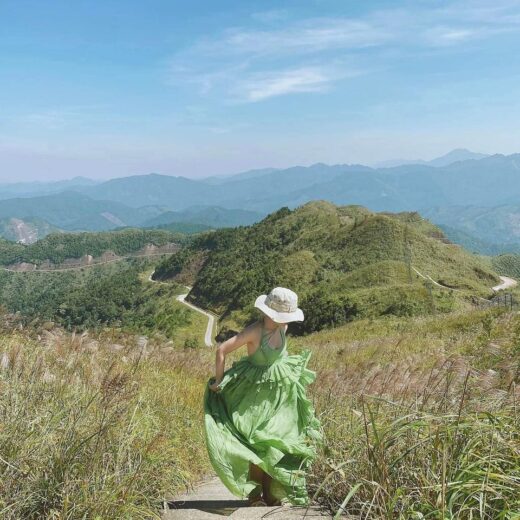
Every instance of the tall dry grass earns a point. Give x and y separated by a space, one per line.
414 432
420 415
101 428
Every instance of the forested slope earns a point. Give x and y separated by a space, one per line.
342 260
58 247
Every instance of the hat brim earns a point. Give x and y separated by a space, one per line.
279 317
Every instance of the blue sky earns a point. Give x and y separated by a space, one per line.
111 88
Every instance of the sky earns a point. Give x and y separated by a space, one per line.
108 88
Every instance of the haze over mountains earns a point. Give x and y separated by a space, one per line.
459 154
451 192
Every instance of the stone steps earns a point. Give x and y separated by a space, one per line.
212 501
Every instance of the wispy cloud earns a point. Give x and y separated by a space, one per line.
279 56
314 36
277 83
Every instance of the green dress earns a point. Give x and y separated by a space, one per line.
262 415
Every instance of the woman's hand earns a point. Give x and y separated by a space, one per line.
214 387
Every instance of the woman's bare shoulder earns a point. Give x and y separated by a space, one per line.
252 329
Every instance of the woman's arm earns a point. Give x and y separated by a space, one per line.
233 343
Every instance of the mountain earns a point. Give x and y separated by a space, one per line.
489 181
250 174
347 259
494 225
209 216
70 210
179 193
25 231
173 193
459 154
36 188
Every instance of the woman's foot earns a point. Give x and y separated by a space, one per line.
257 501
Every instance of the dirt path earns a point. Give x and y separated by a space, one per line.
211 500
507 283
208 336
428 277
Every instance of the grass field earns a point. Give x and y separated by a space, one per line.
100 427
420 417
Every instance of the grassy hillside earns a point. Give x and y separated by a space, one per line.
420 416
58 247
95 425
343 261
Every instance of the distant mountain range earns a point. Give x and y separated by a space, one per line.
209 216
34 189
490 181
459 154
454 190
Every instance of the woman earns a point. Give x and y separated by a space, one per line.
261 431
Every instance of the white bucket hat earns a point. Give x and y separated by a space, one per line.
281 305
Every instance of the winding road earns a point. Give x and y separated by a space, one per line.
507 283
208 336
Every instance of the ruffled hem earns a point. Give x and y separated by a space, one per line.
287 370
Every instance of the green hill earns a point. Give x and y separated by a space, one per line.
58 247
344 262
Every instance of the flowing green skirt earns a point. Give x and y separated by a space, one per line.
262 416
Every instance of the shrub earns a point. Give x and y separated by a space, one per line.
322 309
191 342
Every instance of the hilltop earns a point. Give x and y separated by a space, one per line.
343 261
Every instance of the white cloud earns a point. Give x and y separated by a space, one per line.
270 84
315 35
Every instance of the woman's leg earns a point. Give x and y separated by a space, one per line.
266 486
257 475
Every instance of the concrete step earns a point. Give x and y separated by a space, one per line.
246 513
211 500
